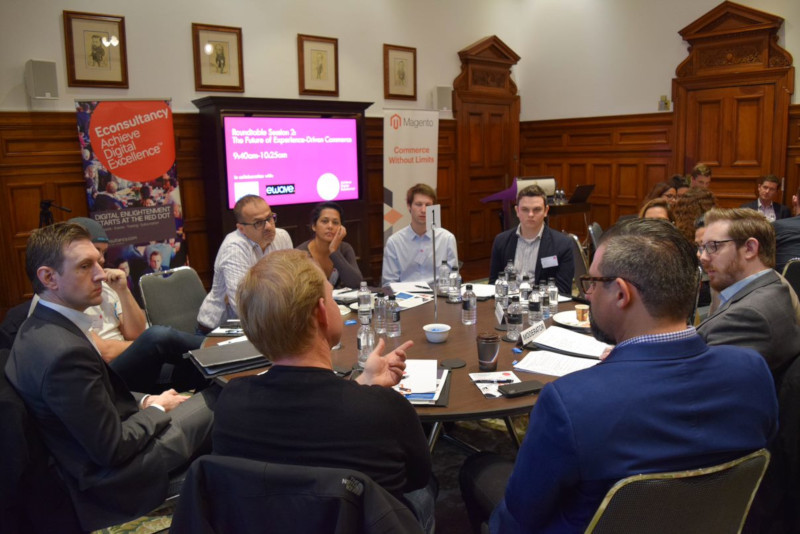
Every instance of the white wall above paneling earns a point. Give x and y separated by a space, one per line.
579 57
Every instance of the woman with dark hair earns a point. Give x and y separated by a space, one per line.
336 258
657 208
663 190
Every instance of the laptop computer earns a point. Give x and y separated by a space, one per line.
581 194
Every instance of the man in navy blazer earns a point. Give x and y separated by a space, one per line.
662 400
114 450
767 188
533 246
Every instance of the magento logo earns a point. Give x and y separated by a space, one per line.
395 121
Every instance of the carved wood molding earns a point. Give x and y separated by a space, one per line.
486 68
732 37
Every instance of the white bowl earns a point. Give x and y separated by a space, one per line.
436 332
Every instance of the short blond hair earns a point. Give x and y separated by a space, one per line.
276 301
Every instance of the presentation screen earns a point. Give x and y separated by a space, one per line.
291 160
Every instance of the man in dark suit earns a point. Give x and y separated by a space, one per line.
533 246
767 188
787 236
662 400
738 253
114 450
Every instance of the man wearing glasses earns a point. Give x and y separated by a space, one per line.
255 236
662 400
533 246
738 253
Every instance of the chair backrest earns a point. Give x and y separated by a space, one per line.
173 298
595 233
792 274
31 483
223 494
714 499
580 260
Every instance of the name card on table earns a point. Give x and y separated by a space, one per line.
529 334
498 313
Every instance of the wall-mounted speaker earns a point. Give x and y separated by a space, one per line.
443 98
40 79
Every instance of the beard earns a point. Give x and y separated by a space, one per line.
598 333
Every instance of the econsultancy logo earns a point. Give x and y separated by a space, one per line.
395 121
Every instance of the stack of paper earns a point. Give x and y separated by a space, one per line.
422 382
551 363
566 341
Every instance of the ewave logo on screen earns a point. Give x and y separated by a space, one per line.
283 189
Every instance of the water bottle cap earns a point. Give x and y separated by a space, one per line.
469 287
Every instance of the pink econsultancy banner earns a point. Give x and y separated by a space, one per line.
289 160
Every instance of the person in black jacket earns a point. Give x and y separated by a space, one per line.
533 246
300 412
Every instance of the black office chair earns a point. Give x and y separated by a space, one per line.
33 497
699 501
792 274
223 494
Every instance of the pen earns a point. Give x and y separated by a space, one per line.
500 381
426 288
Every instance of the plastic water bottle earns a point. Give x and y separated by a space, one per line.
469 307
443 279
524 295
552 291
379 314
514 319
366 343
534 307
511 277
501 291
524 289
455 286
393 318
364 303
544 297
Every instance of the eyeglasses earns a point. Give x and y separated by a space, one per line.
260 223
712 246
588 282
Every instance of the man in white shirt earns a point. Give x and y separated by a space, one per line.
255 237
120 332
408 256
767 189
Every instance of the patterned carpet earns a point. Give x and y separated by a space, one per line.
451 516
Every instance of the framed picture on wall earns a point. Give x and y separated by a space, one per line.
318 65
218 62
399 72
96 50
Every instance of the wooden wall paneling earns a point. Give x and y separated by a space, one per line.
792 182
622 156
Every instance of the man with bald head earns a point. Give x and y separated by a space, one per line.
256 235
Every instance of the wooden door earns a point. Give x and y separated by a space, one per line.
728 129
486 108
485 135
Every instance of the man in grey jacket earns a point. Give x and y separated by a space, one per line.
738 253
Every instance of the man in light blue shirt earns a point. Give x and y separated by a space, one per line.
738 253
408 256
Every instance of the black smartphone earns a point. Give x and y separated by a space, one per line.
518 389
